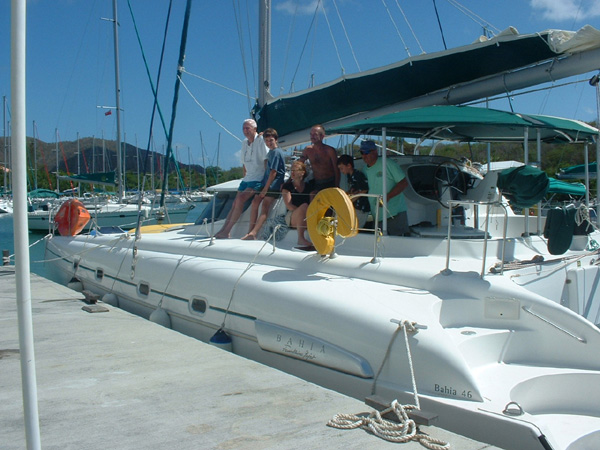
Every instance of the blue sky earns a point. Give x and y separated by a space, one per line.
70 59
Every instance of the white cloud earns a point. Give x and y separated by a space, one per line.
559 10
297 7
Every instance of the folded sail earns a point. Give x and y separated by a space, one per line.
455 76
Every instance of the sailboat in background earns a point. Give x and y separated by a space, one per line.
472 317
104 212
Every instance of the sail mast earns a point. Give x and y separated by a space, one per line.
118 101
264 43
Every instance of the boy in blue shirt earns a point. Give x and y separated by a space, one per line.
272 181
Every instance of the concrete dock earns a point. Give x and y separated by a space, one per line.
114 380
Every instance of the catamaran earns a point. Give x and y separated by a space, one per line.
474 317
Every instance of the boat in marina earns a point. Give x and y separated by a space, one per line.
6 206
474 318
122 215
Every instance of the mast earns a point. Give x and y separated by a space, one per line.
35 168
5 147
78 165
56 150
118 101
264 52
203 161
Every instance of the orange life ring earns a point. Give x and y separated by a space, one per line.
71 217
322 228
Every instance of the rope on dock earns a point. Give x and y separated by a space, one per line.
405 430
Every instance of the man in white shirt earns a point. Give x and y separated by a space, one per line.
254 160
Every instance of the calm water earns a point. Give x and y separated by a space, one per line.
36 242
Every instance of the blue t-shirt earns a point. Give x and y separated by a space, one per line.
275 161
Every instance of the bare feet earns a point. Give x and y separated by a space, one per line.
304 243
221 236
249 237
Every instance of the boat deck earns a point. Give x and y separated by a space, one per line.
114 380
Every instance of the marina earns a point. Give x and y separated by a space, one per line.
463 302
114 380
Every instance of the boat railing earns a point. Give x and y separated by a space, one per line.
376 230
488 205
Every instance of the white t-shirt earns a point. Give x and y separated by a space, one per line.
253 158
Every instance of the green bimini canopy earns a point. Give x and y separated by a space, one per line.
577 172
524 186
42 193
562 187
104 178
471 124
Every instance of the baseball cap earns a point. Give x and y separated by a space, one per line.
367 146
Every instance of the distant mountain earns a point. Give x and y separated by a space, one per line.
92 156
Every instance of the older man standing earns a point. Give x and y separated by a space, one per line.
396 182
323 160
254 160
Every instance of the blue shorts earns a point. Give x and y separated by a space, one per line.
254 185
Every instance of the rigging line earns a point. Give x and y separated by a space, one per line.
346 34
337 52
180 61
503 96
311 76
206 111
240 42
216 84
440 25
577 14
76 65
304 47
287 49
471 15
397 29
155 105
410 27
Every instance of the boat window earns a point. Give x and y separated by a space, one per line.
99 274
198 305
421 178
222 204
144 288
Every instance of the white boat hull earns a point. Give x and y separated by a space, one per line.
482 343
124 216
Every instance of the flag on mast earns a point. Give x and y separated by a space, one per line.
108 113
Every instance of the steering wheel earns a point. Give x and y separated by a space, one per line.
450 179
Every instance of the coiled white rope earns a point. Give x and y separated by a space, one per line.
405 429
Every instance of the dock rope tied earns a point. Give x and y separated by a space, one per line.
403 431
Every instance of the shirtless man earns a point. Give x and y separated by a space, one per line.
323 160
